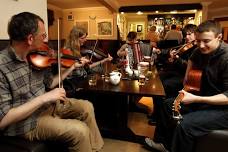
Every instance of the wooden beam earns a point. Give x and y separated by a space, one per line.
108 5
163 8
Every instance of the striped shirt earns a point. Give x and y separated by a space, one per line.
19 83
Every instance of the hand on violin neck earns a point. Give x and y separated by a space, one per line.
109 58
84 60
78 65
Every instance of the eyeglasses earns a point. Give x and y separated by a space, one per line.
43 35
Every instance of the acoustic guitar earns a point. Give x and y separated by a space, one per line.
192 85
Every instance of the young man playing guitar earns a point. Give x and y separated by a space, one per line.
206 111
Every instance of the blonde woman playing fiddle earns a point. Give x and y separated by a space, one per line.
76 39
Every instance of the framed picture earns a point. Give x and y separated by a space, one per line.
139 28
70 17
83 24
104 27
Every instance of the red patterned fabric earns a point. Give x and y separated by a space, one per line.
137 53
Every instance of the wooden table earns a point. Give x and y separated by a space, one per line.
111 103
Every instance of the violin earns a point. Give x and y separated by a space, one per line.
184 48
44 57
181 50
94 53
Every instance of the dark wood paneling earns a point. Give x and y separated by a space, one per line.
164 8
4 44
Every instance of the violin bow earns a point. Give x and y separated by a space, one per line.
95 45
59 67
59 58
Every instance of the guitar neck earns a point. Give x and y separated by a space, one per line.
192 85
177 102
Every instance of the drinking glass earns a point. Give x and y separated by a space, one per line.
150 60
143 68
92 79
142 79
146 58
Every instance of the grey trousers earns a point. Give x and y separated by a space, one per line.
73 124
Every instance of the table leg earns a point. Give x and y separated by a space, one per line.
117 124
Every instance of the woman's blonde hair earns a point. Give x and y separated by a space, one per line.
72 41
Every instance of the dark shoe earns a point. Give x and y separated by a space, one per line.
151 122
151 145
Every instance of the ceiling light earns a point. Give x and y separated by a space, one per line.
139 13
122 13
173 12
156 11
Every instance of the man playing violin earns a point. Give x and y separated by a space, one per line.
207 110
74 42
26 109
173 72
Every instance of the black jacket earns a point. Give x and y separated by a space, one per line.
215 70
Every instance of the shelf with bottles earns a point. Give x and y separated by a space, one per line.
163 22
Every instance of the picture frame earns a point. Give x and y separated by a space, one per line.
70 17
139 28
104 27
83 24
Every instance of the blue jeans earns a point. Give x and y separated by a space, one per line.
198 120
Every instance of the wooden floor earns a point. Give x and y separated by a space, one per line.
138 122
112 145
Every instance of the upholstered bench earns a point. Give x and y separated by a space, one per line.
214 141
17 144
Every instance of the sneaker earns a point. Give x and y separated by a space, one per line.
149 143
